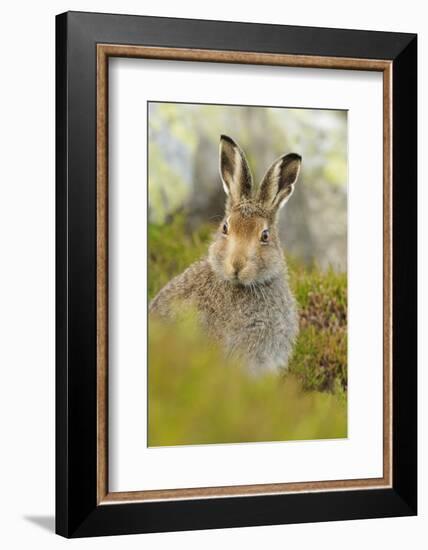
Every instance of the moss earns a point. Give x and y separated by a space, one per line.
191 402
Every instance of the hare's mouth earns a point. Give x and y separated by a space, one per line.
236 281
239 280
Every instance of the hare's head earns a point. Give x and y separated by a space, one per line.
246 249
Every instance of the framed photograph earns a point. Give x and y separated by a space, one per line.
236 274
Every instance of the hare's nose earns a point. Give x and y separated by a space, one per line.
238 265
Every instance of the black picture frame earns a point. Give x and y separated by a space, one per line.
77 511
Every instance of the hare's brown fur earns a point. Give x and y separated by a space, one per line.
241 288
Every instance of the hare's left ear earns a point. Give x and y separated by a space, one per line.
234 171
278 183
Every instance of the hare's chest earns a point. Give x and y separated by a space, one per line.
261 331
259 323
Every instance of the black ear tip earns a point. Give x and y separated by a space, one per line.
223 137
294 156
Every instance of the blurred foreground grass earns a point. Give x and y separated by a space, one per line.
198 397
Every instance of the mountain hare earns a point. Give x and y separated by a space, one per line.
241 289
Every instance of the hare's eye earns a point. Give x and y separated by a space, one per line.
265 236
225 229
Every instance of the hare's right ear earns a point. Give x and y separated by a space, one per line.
234 171
278 183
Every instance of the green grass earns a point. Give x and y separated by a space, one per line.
198 397
171 250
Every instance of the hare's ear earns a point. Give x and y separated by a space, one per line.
234 171
278 183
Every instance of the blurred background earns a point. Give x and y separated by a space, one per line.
184 178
